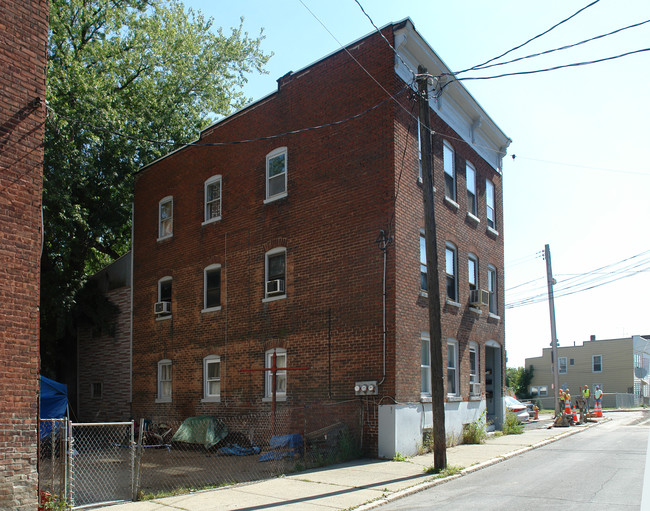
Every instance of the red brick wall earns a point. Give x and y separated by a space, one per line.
23 25
106 359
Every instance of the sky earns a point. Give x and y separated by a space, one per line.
577 174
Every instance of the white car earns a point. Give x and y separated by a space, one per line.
517 407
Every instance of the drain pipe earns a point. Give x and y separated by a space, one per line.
383 240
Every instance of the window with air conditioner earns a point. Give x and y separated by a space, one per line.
275 274
163 306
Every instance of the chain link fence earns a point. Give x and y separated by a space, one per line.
53 468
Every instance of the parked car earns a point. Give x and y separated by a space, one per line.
531 408
517 407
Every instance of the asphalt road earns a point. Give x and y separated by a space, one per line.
600 468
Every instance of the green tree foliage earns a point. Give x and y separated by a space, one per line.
519 380
122 76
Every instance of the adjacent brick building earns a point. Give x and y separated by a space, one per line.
24 26
294 226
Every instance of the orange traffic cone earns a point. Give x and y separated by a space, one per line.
567 407
599 409
575 415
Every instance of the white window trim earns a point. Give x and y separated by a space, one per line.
159 397
270 253
473 346
592 364
162 201
453 342
452 300
424 337
205 288
490 185
452 175
207 398
268 376
273 154
208 182
475 204
160 317
493 288
559 366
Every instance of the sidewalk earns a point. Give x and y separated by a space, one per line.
359 484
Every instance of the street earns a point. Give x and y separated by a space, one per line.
600 468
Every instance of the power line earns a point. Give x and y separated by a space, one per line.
528 41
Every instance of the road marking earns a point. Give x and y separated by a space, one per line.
645 496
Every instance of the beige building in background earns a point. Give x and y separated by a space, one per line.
619 366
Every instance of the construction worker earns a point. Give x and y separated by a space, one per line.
567 398
585 395
561 398
598 394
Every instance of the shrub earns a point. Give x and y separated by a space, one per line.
475 432
512 425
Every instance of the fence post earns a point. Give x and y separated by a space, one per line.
138 461
68 475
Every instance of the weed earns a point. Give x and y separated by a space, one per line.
449 470
399 457
512 425
475 432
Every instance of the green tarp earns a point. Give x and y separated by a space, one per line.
204 430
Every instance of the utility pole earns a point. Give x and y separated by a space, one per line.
433 287
551 306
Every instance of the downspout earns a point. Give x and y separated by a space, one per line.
383 241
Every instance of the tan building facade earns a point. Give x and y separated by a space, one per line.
619 366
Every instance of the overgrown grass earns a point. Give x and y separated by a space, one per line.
449 470
512 425
399 457
475 432
180 491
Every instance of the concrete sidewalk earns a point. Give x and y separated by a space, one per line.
359 484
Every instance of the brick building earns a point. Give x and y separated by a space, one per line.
24 28
268 234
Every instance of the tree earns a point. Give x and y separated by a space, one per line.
519 380
122 76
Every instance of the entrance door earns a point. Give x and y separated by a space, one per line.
493 378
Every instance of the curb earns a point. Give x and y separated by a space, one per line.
430 484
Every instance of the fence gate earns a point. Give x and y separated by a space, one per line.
101 459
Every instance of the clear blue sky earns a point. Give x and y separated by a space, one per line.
581 178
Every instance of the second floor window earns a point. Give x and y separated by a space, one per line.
211 378
164 297
423 264
470 176
276 174
492 289
472 271
452 368
425 365
213 199
450 264
166 218
474 385
490 205
212 286
597 363
450 171
280 376
164 381
275 270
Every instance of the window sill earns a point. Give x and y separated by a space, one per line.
162 238
211 309
276 197
214 399
475 310
452 303
492 232
277 398
424 294
473 218
476 398
452 203
163 318
426 399
212 220
453 398
493 316
273 298
163 400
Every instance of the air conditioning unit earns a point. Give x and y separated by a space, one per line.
475 389
162 307
275 287
475 297
485 297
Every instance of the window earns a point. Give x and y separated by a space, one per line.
597 363
539 390
450 265
165 295
452 368
275 274
425 365
211 378
212 287
470 177
280 377
165 218
561 365
492 289
213 199
276 174
450 171
423 263
489 200
472 271
572 361
96 390
164 381
474 381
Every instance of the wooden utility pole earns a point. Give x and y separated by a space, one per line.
551 305
433 286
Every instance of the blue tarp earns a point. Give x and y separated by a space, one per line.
54 399
285 446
